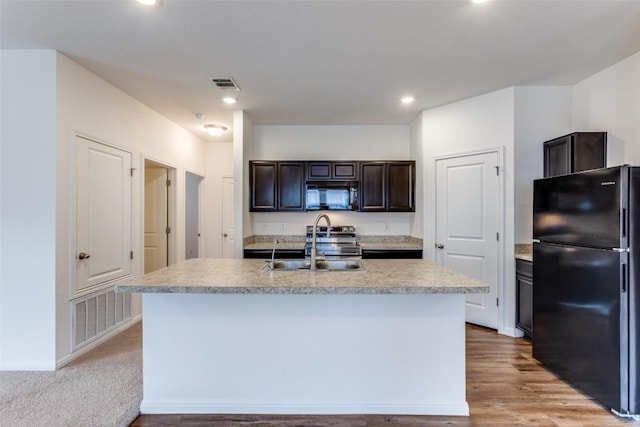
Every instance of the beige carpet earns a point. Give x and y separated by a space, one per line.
102 388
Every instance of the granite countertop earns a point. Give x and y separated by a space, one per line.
525 257
216 275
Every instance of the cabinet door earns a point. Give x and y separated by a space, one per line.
524 309
589 151
557 156
290 186
347 171
401 186
372 186
318 171
263 185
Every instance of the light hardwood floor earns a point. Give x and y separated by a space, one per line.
505 387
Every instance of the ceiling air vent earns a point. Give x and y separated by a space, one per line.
225 83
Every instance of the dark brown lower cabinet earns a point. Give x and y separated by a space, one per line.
524 296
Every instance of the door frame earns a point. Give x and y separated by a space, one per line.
430 237
171 209
221 239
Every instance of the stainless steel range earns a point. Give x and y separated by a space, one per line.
339 243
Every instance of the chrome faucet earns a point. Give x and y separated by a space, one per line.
273 254
315 237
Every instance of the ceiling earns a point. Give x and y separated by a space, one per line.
324 62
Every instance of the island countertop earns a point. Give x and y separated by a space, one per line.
243 276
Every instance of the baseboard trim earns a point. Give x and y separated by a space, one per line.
22 366
281 408
511 332
85 349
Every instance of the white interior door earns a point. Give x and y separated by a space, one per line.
155 217
467 225
227 217
103 213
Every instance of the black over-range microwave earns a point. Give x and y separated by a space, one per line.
337 196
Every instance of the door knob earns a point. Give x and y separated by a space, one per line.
83 255
225 234
439 246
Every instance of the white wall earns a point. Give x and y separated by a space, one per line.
607 101
219 164
89 105
610 101
28 194
243 148
333 143
541 114
417 153
480 123
46 98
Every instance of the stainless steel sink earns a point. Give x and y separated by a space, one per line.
322 265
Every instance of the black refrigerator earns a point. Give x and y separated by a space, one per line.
586 288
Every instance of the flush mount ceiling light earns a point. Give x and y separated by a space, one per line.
215 130
478 1
407 99
150 2
229 100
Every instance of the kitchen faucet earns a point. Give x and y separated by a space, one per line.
273 255
314 237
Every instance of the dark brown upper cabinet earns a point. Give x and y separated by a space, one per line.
383 186
401 182
337 171
291 186
373 188
387 186
263 181
276 186
576 152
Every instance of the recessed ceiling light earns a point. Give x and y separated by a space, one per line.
215 130
229 100
150 2
407 99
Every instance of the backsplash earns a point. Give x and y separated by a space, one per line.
522 248
269 238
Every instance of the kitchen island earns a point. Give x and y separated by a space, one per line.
221 336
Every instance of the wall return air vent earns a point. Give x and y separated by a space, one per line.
225 83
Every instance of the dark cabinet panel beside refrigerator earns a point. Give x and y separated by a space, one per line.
585 299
